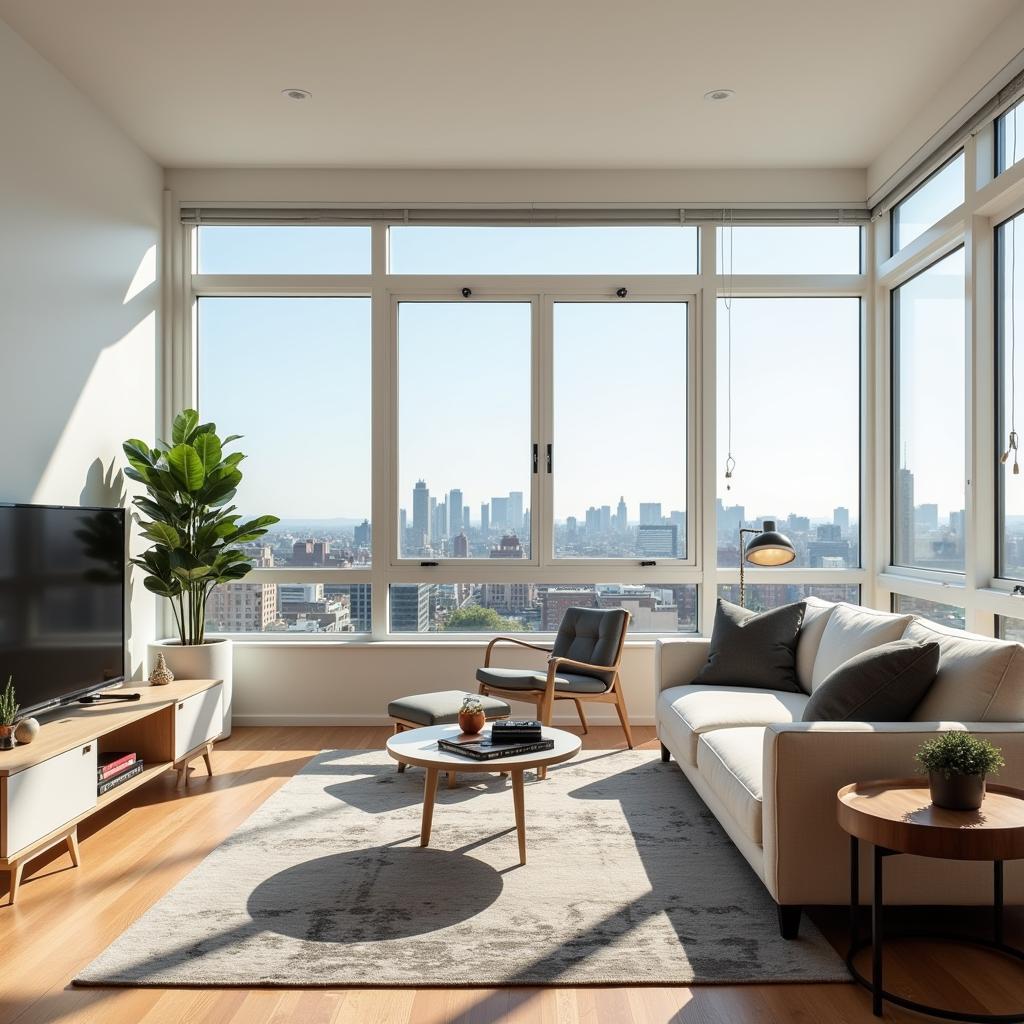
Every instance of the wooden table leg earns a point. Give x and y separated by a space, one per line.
206 758
519 799
14 877
73 846
429 792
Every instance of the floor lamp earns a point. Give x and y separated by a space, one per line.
767 548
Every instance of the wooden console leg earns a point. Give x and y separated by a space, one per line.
14 877
206 758
73 847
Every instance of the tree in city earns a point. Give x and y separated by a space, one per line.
475 619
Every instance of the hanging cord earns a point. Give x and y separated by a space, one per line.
730 462
1011 445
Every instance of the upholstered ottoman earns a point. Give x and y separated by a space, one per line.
441 708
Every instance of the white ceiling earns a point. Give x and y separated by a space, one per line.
596 84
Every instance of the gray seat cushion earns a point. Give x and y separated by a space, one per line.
525 679
442 708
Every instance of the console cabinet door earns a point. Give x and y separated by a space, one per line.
42 798
197 719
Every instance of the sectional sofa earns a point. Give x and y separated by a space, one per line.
771 779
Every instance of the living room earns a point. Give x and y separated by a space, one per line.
511 514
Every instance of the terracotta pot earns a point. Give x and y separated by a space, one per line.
958 792
472 722
7 741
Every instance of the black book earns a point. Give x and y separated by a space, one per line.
116 780
517 736
486 750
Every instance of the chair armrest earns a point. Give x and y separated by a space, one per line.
509 640
806 763
677 661
556 661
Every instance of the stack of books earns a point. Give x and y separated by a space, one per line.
115 768
516 730
508 738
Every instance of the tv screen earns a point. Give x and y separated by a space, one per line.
62 574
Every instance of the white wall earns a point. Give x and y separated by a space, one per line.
339 684
80 218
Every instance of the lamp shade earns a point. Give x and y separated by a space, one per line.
770 547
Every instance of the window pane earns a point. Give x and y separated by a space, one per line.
543 250
795 425
289 609
928 203
1009 628
929 418
1010 138
789 249
947 614
762 596
283 249
292 376
465 445
530 607
620 430
1010 319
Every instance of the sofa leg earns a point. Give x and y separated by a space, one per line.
789 921
665 755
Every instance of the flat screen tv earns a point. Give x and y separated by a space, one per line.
62 580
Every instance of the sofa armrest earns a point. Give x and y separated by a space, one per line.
806 763
677 661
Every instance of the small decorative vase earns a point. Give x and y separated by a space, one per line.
26 730
7 740
161 674
958 792
471 722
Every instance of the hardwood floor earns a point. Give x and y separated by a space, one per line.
133 852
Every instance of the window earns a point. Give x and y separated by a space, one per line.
939 194
543 250
280 249
619 453
1010 324
789 249
760 597
1009 628
289 609
464 429
946 614
522 607
292 376
791 420
929 424
1010 138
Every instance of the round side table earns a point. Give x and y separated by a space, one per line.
897 816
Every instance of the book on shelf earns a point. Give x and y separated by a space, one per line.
486 750
136 768
112 762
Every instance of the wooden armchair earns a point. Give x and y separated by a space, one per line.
582 665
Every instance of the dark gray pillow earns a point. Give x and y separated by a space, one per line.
884 684
750 649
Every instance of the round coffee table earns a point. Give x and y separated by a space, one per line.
419 747
897 816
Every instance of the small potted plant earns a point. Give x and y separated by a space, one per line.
471 715
957 764
8 715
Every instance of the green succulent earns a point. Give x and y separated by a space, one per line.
959 753
8 705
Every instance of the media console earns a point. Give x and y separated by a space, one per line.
48 786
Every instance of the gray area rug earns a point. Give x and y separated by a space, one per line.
629 880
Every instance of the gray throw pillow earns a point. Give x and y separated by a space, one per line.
756 650
884 684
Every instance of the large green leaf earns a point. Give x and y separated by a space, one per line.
207 447
184 424
157 586
138 455
162 533
187 567
186 467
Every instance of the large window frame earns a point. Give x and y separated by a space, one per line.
700 292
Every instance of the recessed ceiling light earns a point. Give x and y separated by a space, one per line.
719 95
297 94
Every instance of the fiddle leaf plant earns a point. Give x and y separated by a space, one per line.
187 514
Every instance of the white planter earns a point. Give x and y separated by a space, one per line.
212 660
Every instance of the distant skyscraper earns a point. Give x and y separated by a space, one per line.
485 517
657 540
606 518
421 513
650 513
903 541
499 513
515 510
361 534
439 521
798 524
508 548
465 518
571 526
622 515
410 607
927 517
455 510
841 517
593 520
460 546
829 531
956 523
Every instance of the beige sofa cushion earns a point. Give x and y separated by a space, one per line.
979 680
816 616
685 712
852 630
731 762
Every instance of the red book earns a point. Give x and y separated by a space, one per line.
111 763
